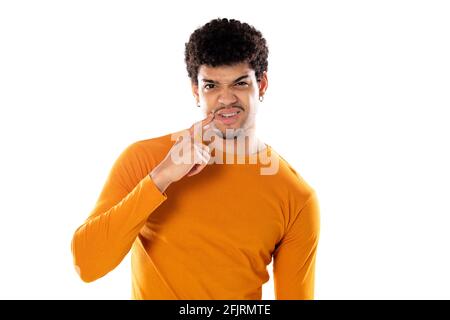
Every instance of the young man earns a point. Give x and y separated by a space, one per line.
202 217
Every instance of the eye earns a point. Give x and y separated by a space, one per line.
207 86
241 84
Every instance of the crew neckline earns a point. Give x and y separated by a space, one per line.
268 149
248 159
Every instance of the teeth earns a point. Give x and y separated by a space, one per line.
227 115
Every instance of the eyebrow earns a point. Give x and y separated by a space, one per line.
236 80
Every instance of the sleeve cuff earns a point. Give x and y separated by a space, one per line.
154 190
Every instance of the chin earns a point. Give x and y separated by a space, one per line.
224 134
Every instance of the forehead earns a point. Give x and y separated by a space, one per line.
225 73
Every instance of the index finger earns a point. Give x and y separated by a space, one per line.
202 123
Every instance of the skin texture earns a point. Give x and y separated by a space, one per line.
167 171
226 93
218 88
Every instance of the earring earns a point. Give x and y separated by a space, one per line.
261 98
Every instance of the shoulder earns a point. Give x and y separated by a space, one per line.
298 194
139 157
154 145
150 149
291 178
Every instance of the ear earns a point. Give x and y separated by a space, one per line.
263 83
195 91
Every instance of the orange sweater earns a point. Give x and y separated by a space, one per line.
209 236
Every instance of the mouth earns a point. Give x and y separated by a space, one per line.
228 116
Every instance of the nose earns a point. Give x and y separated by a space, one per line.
227 97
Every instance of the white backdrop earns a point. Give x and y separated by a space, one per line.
358 102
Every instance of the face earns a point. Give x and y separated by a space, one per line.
232 92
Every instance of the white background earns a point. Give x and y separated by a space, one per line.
358 103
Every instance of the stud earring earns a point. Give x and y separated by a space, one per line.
261 98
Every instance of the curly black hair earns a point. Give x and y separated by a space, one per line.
225 41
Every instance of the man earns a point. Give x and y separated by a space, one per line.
201 216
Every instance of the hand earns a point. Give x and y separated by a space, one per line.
192 159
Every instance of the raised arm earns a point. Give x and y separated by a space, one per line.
126 202
105 238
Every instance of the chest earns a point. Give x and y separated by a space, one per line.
223 208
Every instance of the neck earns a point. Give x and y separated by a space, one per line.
244 143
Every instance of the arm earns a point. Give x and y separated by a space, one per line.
122 209
295 255
126 202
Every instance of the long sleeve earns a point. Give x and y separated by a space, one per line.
295 255
128 197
